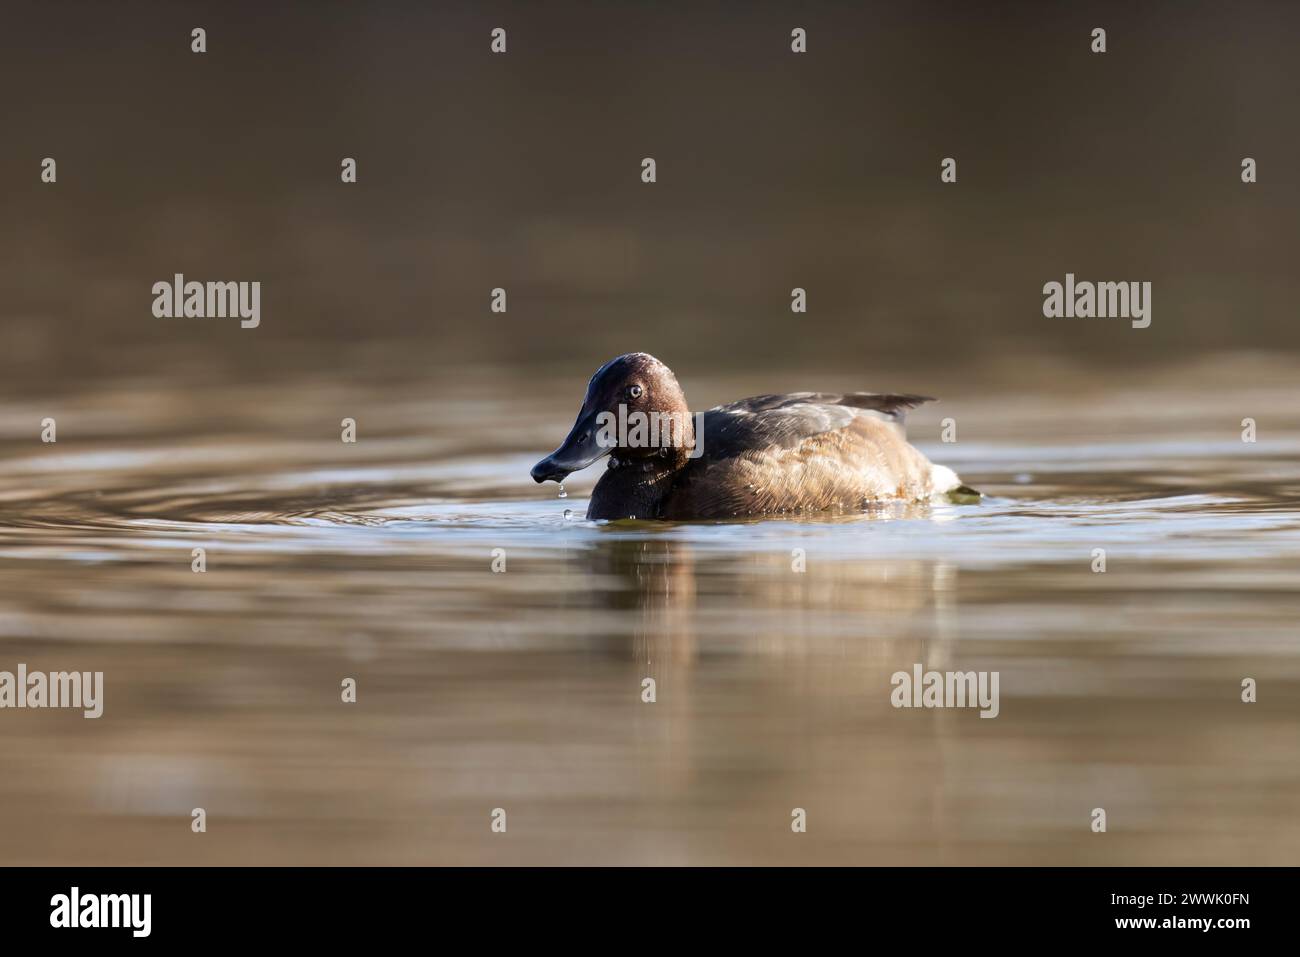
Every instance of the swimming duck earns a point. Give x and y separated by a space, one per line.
769 454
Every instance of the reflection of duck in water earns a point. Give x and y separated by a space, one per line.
802 452
655 579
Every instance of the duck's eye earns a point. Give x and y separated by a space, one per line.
634 392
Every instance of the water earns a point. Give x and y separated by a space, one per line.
520 688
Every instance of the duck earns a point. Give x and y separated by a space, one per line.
802 452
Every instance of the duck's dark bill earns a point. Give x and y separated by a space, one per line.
578 451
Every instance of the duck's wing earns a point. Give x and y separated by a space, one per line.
785 421
807 451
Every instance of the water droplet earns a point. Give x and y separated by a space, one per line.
563 493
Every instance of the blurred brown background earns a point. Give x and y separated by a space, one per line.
522 171
775 170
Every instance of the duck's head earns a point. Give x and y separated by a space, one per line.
633 408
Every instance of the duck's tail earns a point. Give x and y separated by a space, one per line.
946 484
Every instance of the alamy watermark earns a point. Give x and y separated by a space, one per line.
210 300
946 689
55 689
649 430
1100 300
75 909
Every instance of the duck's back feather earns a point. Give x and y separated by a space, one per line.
784 421
805 451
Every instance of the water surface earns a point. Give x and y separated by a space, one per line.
521 689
